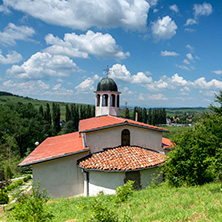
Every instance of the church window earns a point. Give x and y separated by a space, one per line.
112 100
105 100
118 101
125 138
98 100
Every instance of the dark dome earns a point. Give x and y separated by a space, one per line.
107 84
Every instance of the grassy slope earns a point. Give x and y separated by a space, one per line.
201 203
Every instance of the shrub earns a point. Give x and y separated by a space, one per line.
4 199
25 179
31 207
8 173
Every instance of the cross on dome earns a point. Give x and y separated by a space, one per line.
107 71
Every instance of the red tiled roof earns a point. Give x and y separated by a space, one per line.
167 143
55 147
100 122
124 158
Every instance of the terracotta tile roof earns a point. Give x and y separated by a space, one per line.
55 147
101 122
167 144
124 158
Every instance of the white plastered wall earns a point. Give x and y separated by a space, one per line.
149 176
111 137
104 181
60 177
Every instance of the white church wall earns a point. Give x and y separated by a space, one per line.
111 137
150 175
105 181
60 177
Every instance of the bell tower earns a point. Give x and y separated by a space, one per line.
107 97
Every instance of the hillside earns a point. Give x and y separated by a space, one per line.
164 203
11 98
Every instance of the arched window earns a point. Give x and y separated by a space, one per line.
112 100
105 100
125 137
117 100
98 100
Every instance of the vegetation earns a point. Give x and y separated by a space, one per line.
163 203
31 207
197 158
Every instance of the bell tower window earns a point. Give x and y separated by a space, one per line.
125 138
98 100
112 100
117 100
105 100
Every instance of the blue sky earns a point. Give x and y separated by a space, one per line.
162 53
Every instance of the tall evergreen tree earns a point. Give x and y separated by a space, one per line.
126 115
150 116
68 113
41 112
144 115
56 117
47 114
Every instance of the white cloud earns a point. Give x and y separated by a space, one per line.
12 33
87 86
158 97
97 44
190 30
120 72
152 2
186 62
190 47
83 14
168 53
10 58
141 97
204 9
185 90
189 56
174 8
191 22
43 65
201 83
183 67
164 28
4 9
218 72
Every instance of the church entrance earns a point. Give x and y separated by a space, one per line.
125 138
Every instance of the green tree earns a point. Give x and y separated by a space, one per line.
197 158
216 109
68 113
126 114
56 117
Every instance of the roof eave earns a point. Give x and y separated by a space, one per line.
121 124
121 171
52 158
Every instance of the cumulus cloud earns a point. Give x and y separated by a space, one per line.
87 86
83 14
174 8
12 33
191 22
183 67
164 28
34 87
201 83
218 72
43 65
204 9
189 56
91 43
168 53
190 47
157 97
4 9
186 62
120 72
10 58
152 2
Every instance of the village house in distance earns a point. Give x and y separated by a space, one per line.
105 152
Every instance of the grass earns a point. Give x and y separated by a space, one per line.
174 130
199 203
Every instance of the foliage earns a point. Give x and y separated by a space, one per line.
8 172
13 185
31 207
197 158
4 199
123 192
101 210
217 110
25 179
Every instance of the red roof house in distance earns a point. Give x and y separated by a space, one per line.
105 152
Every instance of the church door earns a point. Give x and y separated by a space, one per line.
125 138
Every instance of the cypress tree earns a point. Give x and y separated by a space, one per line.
41 112
127 113
68 113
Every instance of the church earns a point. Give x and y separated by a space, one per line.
106 152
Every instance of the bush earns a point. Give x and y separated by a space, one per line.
197 158
25 179
8 173
4 199
31 207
